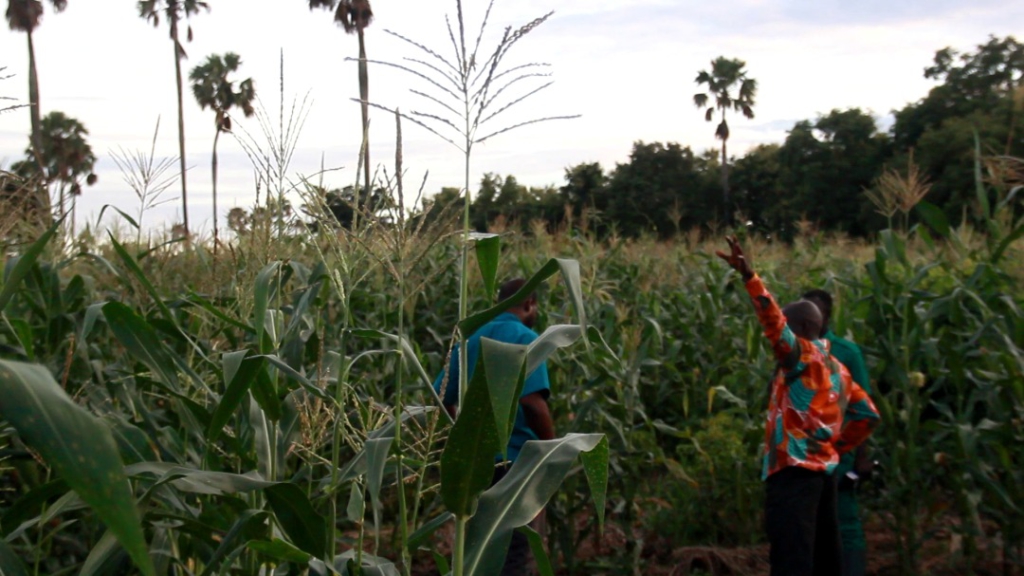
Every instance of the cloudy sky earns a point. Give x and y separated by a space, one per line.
626 67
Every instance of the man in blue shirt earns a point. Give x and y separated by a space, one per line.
533 418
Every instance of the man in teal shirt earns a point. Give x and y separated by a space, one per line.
533 418
851 464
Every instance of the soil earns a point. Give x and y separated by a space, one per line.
940 556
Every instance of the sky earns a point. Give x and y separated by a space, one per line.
626 68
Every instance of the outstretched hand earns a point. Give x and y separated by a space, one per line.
736 260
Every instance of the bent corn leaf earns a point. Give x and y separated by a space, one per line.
79 447
519 497
24 264
467 463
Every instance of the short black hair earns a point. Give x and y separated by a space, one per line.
510 287
820 296
804 318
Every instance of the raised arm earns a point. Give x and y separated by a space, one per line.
784 342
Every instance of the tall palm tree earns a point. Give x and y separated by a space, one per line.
25 16
66 158
213 89
174 11
725 76
355 16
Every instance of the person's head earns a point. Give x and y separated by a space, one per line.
804 319
526 310
823 300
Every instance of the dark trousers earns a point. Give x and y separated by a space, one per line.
802 523
851 531
519 558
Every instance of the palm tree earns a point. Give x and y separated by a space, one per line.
724 77
25 16
174 11
355 16
213 89
66 158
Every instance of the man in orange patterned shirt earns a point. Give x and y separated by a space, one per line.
815 413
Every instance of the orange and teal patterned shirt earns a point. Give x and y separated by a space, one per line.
816 412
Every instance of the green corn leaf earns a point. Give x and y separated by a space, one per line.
92 313
300 521
356 507
488 253
263 294
218 312
519 497
136 271
30 505
10 564
424 532
376 457
119 211
570 270
595 465
78 446
240 375
265 394
280 550
540 555
442 563
555 337
345 565
195 481
934 217
23 265
294 375
467 463
142 342
102 557
22 332
248 524
1005 243
503 364
411 359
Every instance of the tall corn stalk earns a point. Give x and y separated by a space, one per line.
467 94
466 97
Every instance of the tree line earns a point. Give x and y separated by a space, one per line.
838 172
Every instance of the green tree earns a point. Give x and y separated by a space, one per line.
727 83
355 16
826 166
759 193
658 191
341 204
174 11
213 89
67 159
585 189
25 16
484 210
979 93
984 80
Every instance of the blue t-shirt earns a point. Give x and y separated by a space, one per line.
505 328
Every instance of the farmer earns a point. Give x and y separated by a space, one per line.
815 413
533 418
852 467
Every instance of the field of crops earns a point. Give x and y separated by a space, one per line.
236 414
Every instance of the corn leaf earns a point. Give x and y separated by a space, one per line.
78 446
519 497
17 269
